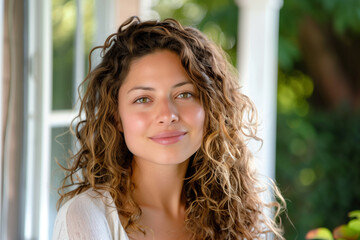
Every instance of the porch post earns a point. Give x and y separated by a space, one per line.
257 66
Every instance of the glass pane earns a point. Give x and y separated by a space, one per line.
64 25
62 142
64 15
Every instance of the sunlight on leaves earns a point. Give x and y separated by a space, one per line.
307 176
320 233
354 214
345 232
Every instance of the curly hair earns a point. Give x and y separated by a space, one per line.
221 186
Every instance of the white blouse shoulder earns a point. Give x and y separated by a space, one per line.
89 215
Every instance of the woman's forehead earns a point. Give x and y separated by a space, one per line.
158 67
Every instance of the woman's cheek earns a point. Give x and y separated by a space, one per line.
134 123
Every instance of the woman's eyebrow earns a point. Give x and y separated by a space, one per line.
181 84
141 88
153 89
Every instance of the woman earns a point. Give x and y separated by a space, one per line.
163 131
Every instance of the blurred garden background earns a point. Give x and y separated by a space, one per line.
318 111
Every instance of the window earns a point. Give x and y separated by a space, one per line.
60 36
61 33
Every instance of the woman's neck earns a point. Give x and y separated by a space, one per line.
159 187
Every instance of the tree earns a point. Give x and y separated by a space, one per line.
321 38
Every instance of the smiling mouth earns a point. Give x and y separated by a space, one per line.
168 138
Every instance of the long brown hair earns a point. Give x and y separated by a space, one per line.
221 188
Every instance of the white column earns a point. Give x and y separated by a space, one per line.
257 65
109 15
104 20
104 26
145 11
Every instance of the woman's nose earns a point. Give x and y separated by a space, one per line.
167 112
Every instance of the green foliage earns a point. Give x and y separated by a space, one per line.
217 19
293 91
63 33
342 16
63 25
320 233
350 231
317 152
317 168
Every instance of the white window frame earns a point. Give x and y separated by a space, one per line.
1 117
40 118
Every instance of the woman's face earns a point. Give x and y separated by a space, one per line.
160 113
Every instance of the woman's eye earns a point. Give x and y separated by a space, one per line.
185 95
142 100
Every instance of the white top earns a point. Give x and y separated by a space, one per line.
90 216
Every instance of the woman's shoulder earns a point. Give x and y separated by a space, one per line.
89 200
89 215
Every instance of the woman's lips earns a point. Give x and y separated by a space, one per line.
167 138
